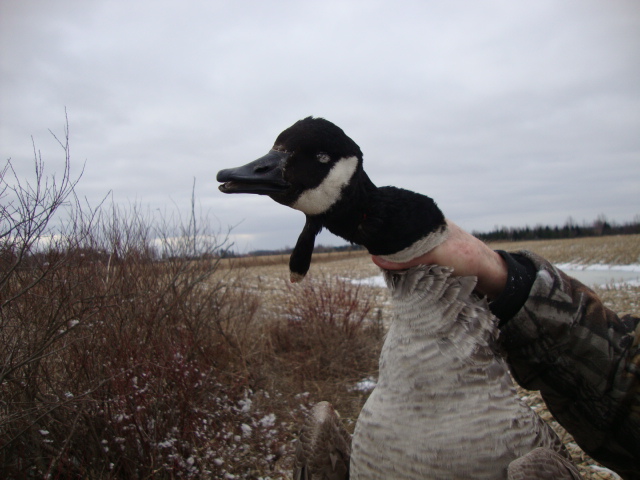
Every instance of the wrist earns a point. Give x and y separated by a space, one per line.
521 276
492 275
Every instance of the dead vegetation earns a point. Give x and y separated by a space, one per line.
615 250
283 259
125 356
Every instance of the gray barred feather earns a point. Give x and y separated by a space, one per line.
444 406
324 446
542 464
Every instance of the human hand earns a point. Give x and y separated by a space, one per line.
467 255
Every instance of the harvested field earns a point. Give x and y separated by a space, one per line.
616 250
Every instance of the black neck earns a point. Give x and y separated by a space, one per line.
385 220
346 216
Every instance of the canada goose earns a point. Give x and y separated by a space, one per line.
444 405
315 168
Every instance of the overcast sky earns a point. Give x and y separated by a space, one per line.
506 112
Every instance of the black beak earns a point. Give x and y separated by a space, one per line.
262 176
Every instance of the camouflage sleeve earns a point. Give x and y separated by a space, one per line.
584 359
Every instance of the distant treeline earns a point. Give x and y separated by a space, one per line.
571 229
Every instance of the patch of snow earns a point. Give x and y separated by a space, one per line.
634 267
376 281
597 274
246 430
167 443
268 420
365 385
602 274
245 405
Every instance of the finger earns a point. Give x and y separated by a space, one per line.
387 265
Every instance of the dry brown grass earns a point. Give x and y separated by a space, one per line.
622 299
325 339
140 368
283 259
617 250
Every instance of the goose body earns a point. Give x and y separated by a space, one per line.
444 405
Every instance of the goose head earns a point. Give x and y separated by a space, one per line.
316 168
308 167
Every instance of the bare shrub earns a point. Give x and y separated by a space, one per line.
327 339
126 353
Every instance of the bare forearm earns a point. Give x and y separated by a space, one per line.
468 256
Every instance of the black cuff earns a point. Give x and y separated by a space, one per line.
520 277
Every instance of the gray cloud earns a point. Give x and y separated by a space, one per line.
507 113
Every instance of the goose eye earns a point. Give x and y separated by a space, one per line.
323 158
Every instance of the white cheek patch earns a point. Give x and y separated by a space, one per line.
319 199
